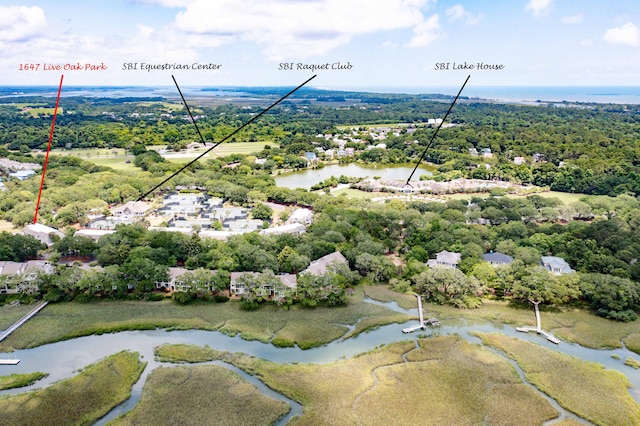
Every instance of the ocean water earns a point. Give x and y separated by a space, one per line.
518 94
526 94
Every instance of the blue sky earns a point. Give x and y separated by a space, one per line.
390 43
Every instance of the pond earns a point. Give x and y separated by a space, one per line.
307 178
64 359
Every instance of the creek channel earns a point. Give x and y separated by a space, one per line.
63 359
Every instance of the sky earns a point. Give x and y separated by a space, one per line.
368 43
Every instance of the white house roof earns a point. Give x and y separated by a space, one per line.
132 206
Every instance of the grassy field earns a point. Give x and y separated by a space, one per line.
20 380
302 326
584 388
6 226
116 158
569 324
221 151
82 399
202 395
443 381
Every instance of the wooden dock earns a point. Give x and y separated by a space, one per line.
422 324
22 320
550 337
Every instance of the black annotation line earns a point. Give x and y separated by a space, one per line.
436 132
189 111
254 118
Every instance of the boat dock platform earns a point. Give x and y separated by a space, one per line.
550 337
422 325
9 361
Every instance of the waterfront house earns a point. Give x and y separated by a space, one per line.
445 259
556 265
319 266
496 258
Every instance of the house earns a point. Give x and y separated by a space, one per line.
349 152
24 274
445 259
292 228
175 282
22 174
486 153
42 233
496 258
94 234
131 209
556 265
319 266
329 153
518 160
304 216
310 156
288 281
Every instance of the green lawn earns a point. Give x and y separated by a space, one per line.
116 158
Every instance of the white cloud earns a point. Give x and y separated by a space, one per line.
297 29
586 42
457 12
18 23
539 7
165 3
426 32
625 34
572 19
388 44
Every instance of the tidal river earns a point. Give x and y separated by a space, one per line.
63 359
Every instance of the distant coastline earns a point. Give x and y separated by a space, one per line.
510 94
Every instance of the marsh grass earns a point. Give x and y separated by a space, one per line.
202 395
80 400
444 381
584 388
633 363
13 381
11 314
632 342
180 353
302 326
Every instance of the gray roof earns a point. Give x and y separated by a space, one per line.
319 266
556 264
496 257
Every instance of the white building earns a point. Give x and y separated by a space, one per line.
42 233
304 216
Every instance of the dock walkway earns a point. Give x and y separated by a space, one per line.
22 320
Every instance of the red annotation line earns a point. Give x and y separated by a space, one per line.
46 159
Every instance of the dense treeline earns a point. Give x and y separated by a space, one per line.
592 149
